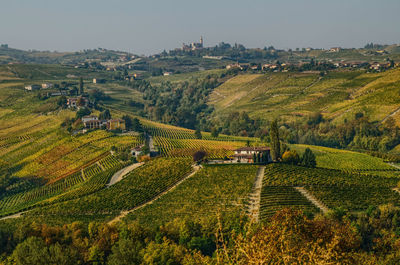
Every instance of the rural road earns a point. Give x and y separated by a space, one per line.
390 115
312 199
17 215
394 165
255 196
125 213
118 176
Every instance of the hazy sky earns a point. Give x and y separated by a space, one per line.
145 27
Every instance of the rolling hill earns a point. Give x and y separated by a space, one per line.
338 95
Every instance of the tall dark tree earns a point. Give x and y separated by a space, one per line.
197 133
199 156
136 125
214 132
265 157
308 159
128 122
105 115
81 89
275 142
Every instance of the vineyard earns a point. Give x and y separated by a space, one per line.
141 185
335 188
275 198
90 179
172 141
289 95
186 148
345 160
54 156
214 189
172 132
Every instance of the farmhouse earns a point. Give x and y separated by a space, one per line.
246 154
92 124
56 94
77 102
376 66
71 102
115 124
89 118
137 151
47 85
335 49
237 66
32 87
98 81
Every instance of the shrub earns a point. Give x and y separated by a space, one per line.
199 155
308 159
144 158
291 157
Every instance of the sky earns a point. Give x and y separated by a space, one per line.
148 27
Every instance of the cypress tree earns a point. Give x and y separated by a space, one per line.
265 157
275 143
197 133
81 89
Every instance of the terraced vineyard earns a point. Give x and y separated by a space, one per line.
94 184
215 188
172 141
339 95
65 154
90 179
172 132
275 198
186 148
354 191
141 185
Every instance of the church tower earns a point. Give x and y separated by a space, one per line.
201 41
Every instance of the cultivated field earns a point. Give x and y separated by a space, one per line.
339 95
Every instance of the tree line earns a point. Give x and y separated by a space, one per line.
338 237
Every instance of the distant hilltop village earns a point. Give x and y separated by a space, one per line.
193 46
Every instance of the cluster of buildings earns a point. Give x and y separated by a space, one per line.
92 122
358 64
38 87
193 46
284 67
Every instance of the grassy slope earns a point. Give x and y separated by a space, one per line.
338 95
